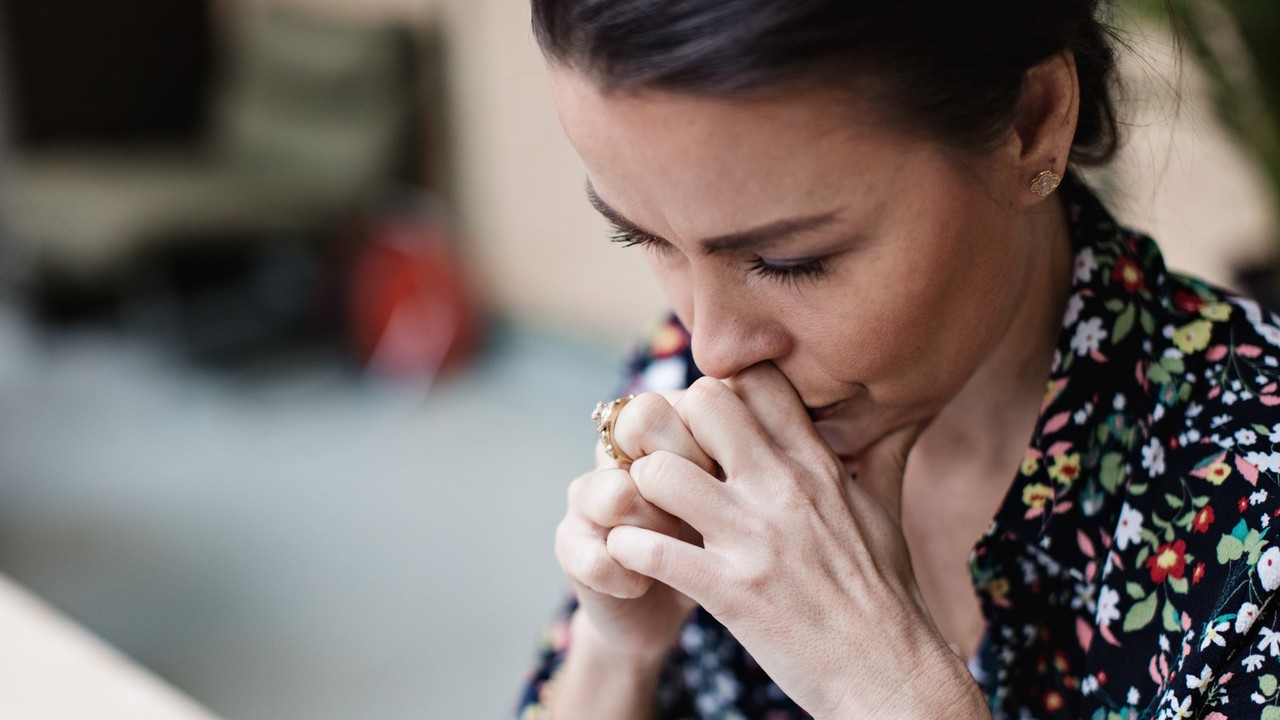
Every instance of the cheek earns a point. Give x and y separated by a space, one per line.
915 321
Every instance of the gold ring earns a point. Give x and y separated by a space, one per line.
604 415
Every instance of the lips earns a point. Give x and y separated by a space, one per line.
822 413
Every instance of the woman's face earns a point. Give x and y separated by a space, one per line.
872 268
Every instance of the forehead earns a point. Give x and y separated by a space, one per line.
701 165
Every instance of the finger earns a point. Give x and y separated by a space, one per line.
585 559
610 497
722 426
771 398
688 569
684 490
882 466
649 423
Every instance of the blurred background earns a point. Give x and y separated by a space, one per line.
301 322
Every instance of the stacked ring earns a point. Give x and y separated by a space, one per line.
604 415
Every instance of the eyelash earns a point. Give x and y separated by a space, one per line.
794 272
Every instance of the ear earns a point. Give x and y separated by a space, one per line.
1045 124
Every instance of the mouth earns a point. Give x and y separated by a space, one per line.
819 414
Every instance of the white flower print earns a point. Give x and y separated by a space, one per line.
1258 698
1269 569
1275 433
1118 403
1199 683
1245 616
1194 410
1085 265
1253 663
1108 602
1153 457
1260 496
1266 462
1164 643
1245 436
1219 421
1129 530
1229 398
1075 304
1089 685
1133 697
1182 709
1270 642
1269 333
1089 336
1214 635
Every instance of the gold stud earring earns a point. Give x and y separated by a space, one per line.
1046 182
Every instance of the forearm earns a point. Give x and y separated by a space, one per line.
597 682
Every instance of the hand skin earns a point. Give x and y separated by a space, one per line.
626 623
805 566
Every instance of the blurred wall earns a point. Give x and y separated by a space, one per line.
540 252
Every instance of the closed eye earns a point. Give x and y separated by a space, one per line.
791 270
631 237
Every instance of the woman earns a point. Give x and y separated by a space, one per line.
853 209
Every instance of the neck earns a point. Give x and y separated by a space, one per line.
991 419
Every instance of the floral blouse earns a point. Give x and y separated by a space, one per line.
1131 571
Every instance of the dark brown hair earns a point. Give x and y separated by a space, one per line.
952 71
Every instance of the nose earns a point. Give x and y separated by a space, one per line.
731 332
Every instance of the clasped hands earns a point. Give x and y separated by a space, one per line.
736 503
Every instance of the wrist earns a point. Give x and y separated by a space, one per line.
597 681
938 684
597 648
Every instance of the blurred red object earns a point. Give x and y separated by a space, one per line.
410 313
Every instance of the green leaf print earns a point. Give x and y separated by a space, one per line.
1112 471
1159 375
1179 585
1267 684
1169 618
1271 712
1148 322
1124 323
1253 544
1141 614
1135 590
1229 549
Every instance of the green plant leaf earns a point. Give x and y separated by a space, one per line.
1179 585
1136 591
1271 712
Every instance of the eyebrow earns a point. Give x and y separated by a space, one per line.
756 238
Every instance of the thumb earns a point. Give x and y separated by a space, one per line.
882 466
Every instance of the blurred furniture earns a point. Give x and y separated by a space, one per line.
309 118
51 669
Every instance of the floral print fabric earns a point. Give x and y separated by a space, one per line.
1131 571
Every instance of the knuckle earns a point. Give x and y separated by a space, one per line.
619 500
593 566
639 420
703 390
